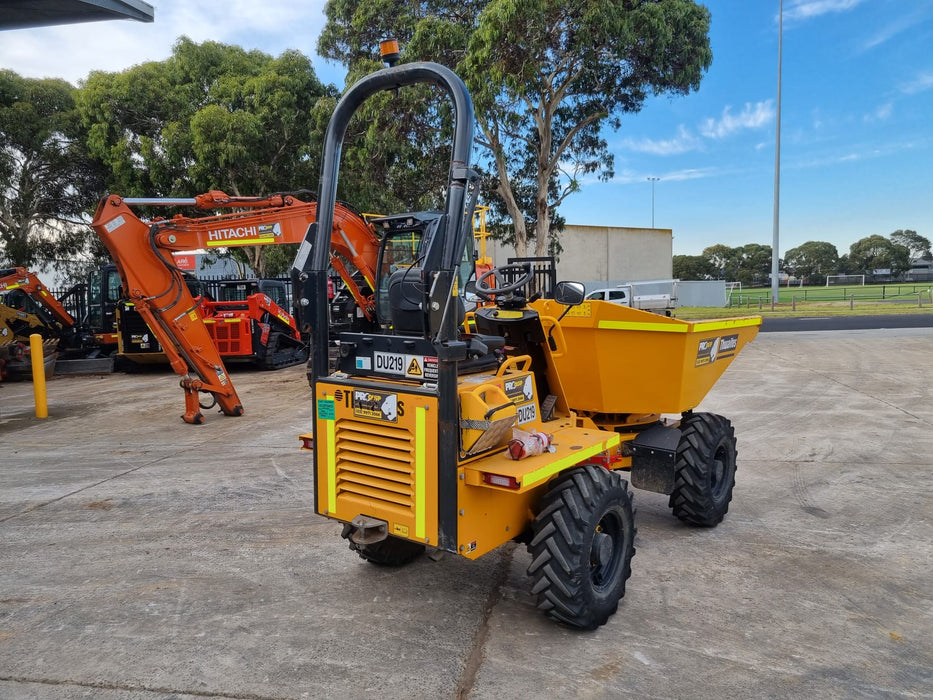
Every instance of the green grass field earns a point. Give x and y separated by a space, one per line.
824 301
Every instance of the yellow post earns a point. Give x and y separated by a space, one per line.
38 375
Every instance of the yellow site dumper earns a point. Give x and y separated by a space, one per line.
461 432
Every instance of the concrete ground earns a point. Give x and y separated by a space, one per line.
144 558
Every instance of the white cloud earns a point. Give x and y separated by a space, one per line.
628 177
888 32
73 51
753 116
921 83
682 143
880 113
808 9
862 152
690 174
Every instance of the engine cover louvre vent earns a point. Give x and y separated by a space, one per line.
375 462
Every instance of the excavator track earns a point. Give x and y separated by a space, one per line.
278 357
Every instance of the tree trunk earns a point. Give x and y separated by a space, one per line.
505 191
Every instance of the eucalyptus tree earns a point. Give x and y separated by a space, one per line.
47 180
548 78
211 116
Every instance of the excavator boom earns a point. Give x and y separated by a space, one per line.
142 251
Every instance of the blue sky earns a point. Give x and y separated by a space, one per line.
856 136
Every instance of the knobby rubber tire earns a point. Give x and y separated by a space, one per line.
582 548
392 551
704 473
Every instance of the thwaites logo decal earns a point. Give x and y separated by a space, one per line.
718 348
377 405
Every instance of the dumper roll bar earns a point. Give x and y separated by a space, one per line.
443 252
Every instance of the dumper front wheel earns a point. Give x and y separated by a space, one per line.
582 548
704 474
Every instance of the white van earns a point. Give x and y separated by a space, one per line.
623 295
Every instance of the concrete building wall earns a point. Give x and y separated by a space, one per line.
607 253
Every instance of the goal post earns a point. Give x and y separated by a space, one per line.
847 280
730 288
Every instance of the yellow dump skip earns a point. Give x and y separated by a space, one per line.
622 360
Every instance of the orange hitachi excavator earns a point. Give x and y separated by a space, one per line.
27 307
142 252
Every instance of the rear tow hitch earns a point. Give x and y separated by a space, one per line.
363 530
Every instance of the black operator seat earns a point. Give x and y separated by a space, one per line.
405 295
521 328
524 335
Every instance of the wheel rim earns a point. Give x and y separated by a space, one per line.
606 551
719 473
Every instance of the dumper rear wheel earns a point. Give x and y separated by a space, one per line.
704 473
392 551
582 548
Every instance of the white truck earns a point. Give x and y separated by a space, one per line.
629 295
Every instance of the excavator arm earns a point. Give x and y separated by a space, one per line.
142 251
273 220
22 279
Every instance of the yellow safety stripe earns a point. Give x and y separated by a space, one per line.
725 325
420 469
330 434
263 240
703 327
554 467
643 326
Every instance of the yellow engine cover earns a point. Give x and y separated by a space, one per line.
375 448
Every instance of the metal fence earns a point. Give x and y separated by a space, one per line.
545 274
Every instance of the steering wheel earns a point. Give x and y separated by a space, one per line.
501 288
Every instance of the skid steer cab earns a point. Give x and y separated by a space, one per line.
430 435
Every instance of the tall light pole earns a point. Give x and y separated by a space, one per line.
652 180
775 282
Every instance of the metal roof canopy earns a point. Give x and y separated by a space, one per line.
22 14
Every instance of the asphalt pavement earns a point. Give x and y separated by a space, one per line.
144 558
846 323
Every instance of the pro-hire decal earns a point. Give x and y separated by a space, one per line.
717 348
377 405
